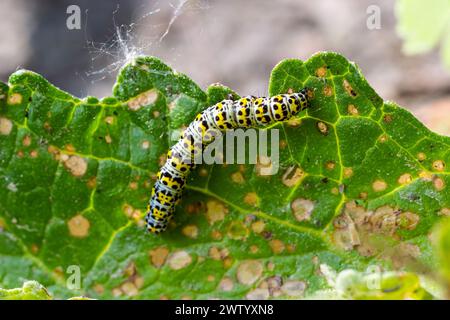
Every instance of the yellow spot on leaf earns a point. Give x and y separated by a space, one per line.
237 230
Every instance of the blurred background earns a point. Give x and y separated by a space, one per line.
233 42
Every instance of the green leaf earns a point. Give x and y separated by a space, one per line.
373 284
423 25
31 290
443 251
361 181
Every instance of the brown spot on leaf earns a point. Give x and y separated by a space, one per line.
143 99
258 294
258 226
352 110
408 220
444 212
387 118
251 198
15 98
190 231
277 246
237 177
292 176
348 172
26 141
379 185
108 139
76 165
249 272
158 256
294 288
145 144
438 183
323 128
421 156
349 88
109 120
439 165
133 185
405 178
302 209
321 72
226 284
215 211
129 288
330 165
79 226
6 126
328 91
179 260
383 138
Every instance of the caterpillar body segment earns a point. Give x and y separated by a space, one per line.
246 112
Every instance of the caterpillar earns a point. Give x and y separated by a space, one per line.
246 112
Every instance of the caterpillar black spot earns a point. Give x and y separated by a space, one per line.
246 112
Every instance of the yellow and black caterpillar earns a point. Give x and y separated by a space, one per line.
246 112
